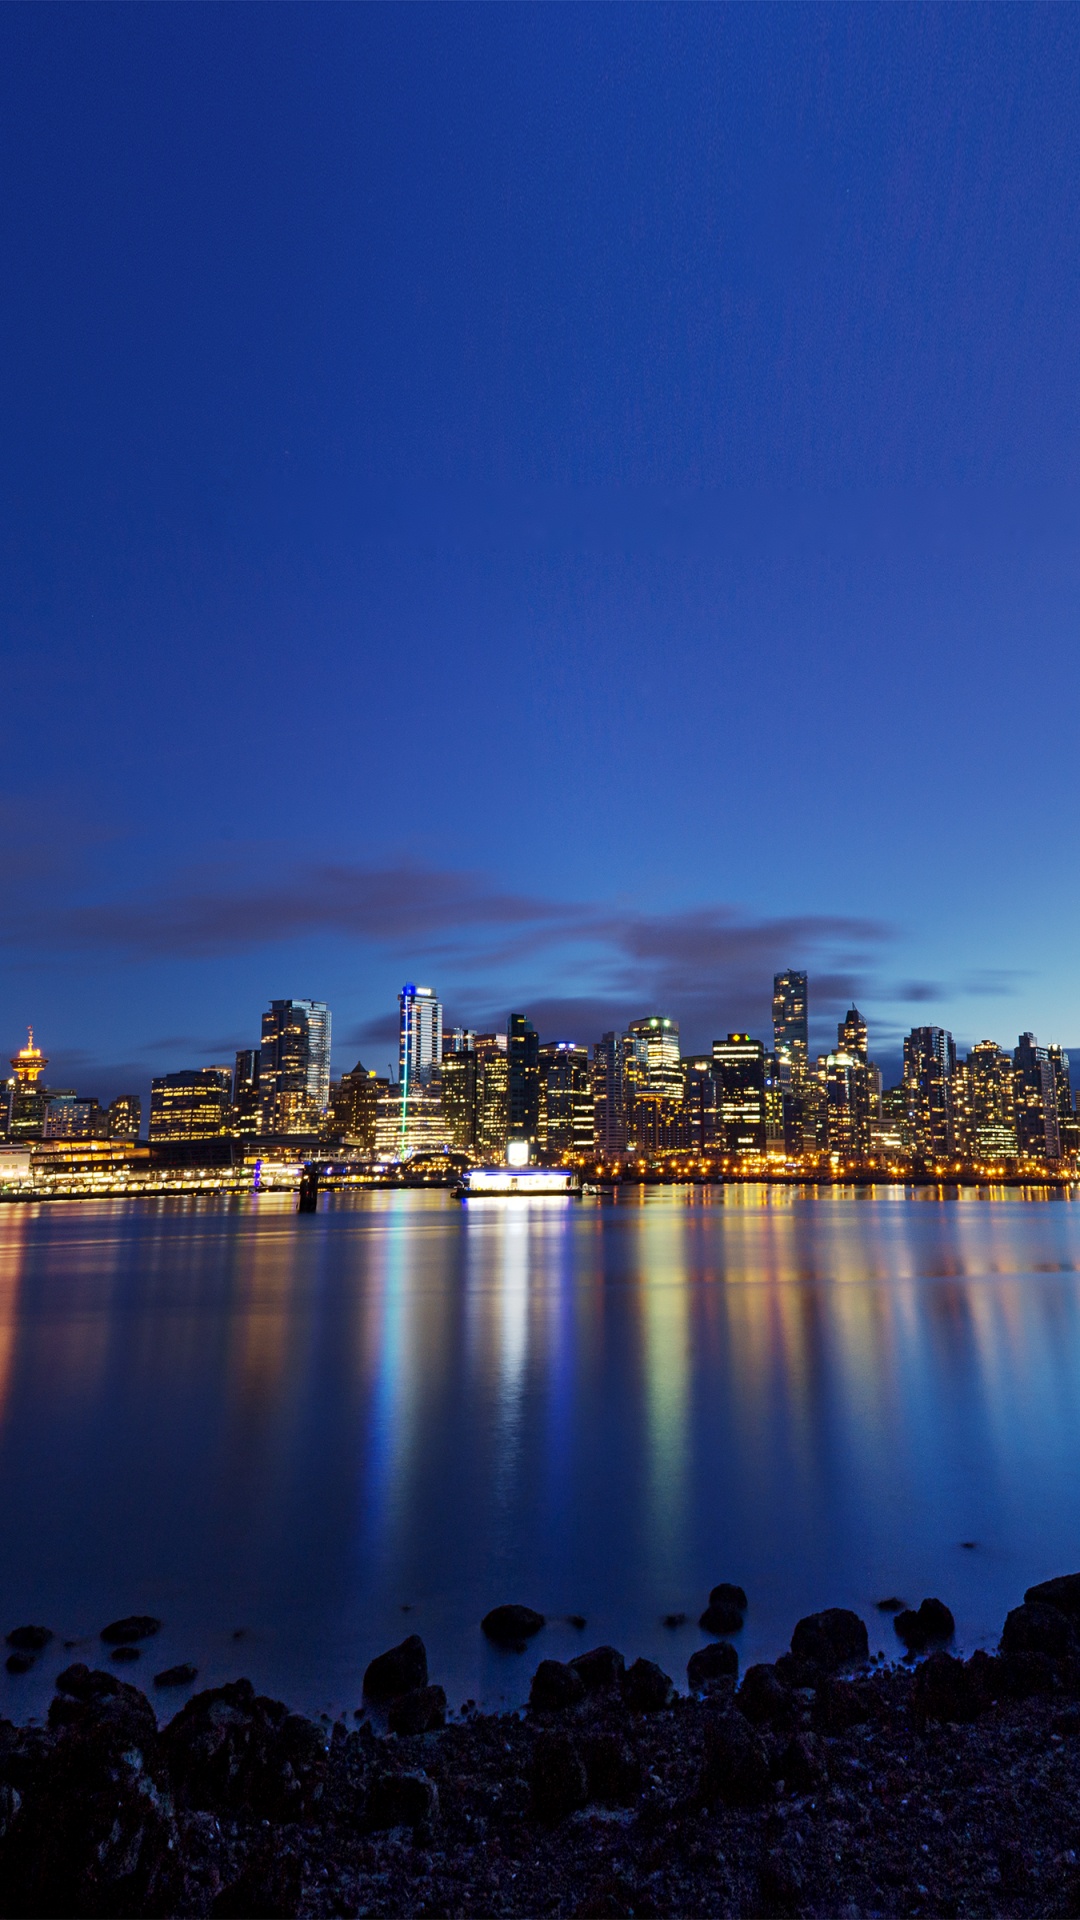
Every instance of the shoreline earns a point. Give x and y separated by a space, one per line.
827 1782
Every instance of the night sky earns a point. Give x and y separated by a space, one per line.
575 506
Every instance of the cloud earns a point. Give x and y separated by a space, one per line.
918 991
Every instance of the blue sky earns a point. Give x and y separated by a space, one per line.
576 505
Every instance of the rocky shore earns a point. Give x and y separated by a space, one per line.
826 1784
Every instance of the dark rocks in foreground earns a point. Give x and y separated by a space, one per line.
398 1671
29 1639
510 1626
134 1626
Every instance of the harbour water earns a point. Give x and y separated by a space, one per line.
323 1432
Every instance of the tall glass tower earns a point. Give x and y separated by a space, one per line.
790 1035
419 1061
294 1065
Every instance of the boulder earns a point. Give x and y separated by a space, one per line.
86 1683
1038 1628
674 1620
891 1605
400 1670
401 1800
557 1777
135 1626
839 1704
718 1662
803 1766
181 1676
735 1767
1062 1592
555 1685
1022 1676
230 1749
646 1687
511 1626
932 1622
764 1699
600 1669
948 1689
831 1639
19 1662
29 1639
270 1887
614 1773
726 1595
719 1617
421 1711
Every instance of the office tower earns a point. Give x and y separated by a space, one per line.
789 1012
851 1034
990 1103
777 1097
891 1132
67 1117
492 1097
739 1063
609 1102
1035 1101
701 1105
353 1113
852 1089
566 1106
929 1065
459 1096
1068 1127
190 1106
419 1037
247 1114
26 1097
294 1066
655 1047
124 1119
523 1052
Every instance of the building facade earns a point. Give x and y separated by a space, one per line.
739 1065
294 1066
190 1106
1035 1102
523 1055
929 1069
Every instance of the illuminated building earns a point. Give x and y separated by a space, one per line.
929 1065
700 1105
1035 1101
851 1034
739 1064
459 1094
27 1100
890 1127
247 1110
294 1066
419 1036
852 1090
566 1106
492 1097
653 1086
186 1107
523 1051
1068 1127
789 1012
354 1106
125 1117
609 1094
654 1043
988 1102
69 1118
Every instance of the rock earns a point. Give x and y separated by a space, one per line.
19 1662
614 1773
421 1711
511 1626
577 1620
181 1676
718 1662
919 1630
948 1689
763 1698
782 1886
270 1887
720 1618
400 1670
1062 1592
84 1683
29 1639
646 1686
735 1768
803 1766
230 1749
401 1800
599 1669
892 1605
555 1686
1022 1676
1037 1628
124 1655
725 1595
839 1704
831 1639
557 1777
136 1626
673 1620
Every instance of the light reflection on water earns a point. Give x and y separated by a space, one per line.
329 1431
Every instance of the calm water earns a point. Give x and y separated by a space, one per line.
235 1418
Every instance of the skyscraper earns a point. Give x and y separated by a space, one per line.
609 1095
991 1123
26 1098
523 1049
1068 1128
419 1037
294 1066
190 1106
1035 1101
247 1093
739 1064
790 1028
460 1070
492 1097
354 1106
566 1108
929 1066
125 1117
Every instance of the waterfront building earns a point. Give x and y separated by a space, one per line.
1068 1127
701 1107
988 1098
851 1034
929 1066
124 1119
492 1097
654 1045
890 1128
778 1099
27 1099
790 1022
609 1095
523 1054
459 1096
566 1106
842 1104
190 1106
247 1109
353 1112
739 1065
294 1066
419 1036
67 1117
1035 1101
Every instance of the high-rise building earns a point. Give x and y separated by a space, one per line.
67 1117
419 1037
1035 1101
739 1064
701 1104
566 1106
190 1106
353 1112
609 1095
851 1034
523 1050
852 1090
247 1114
492 1097
989 1118
125 1117
929 1066
294 1066
460 1071
1068 1125
655 1046
790 1029
26 1098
